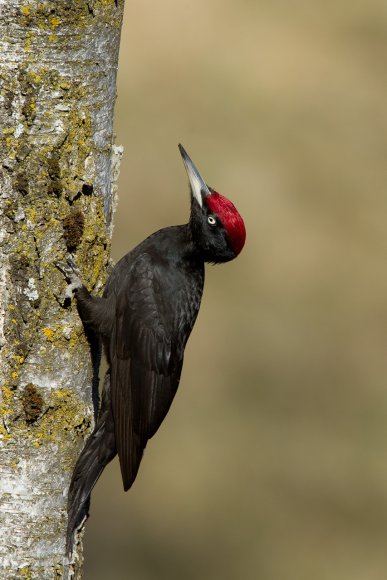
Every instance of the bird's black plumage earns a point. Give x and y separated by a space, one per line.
144 319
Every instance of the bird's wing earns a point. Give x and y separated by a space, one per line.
146 358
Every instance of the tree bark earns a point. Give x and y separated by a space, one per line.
57 178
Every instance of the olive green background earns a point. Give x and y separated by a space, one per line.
272 464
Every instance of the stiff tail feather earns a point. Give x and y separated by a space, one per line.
99 450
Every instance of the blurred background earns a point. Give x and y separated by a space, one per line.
272 464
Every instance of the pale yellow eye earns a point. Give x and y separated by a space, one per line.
211 220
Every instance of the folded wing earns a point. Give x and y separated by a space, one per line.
146 356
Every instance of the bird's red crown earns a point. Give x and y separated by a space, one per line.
230 218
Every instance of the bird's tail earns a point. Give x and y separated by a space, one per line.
99 450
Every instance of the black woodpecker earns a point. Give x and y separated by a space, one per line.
144 319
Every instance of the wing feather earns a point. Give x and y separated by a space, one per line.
146 356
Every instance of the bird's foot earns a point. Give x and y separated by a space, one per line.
71 272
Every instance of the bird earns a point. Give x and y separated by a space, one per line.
144 319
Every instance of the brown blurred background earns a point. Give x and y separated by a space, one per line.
272 464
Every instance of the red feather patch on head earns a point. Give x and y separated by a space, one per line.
230 218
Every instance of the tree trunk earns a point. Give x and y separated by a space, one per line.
57 178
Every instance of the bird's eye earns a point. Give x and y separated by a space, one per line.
211 220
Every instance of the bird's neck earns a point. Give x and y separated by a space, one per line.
189 249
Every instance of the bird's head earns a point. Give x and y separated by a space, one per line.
217 228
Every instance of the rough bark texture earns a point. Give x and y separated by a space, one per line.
57 169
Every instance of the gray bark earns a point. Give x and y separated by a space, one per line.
58 168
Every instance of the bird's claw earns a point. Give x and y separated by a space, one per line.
71 272
69 269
